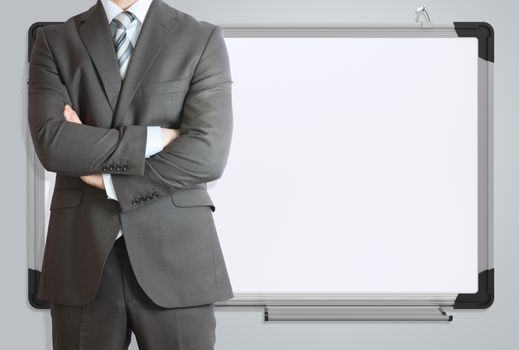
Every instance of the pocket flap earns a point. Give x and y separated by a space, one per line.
192 197
164 87
66 198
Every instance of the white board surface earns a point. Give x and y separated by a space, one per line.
353 166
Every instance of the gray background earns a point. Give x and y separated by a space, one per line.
24 327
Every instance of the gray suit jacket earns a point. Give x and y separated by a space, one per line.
178 77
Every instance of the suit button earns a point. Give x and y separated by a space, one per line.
156 195
135 202
118 167
111 167
105 168
125 167
149 196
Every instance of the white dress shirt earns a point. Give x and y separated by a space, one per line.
154 141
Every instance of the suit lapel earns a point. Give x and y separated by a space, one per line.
96 36
158 26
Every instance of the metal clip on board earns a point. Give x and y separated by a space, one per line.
422 11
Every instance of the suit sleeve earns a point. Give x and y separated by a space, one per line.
154 144
70 148
199 154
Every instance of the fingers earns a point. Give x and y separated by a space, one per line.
67 112
171 135
94 180
71 114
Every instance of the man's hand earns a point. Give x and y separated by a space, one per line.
169 135
95 180
71 115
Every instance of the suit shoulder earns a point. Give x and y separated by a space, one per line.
57 30
60 34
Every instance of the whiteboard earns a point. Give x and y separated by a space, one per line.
353 166
360 165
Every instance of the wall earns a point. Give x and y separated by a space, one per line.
26 328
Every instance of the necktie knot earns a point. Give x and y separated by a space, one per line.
123 19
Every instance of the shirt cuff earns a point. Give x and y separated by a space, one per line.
109 187
154 143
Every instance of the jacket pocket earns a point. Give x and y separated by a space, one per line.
66 199
192 197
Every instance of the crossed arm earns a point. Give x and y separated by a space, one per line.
156 139
198 155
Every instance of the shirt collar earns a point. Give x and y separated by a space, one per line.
139 8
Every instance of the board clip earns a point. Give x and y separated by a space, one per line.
422 11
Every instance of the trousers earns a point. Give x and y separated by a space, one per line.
121 307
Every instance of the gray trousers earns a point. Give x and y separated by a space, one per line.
120 307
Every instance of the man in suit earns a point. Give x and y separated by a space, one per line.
130 105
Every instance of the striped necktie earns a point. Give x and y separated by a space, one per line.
123 45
